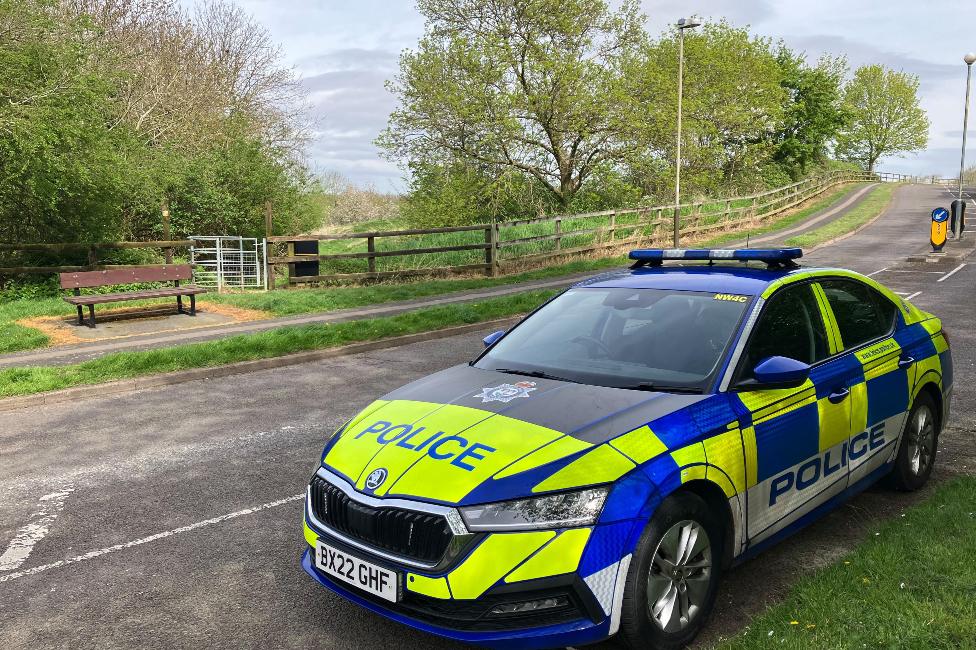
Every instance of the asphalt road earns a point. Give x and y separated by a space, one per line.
170 517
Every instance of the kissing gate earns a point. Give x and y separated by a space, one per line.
229 262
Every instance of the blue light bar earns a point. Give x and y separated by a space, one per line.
768 255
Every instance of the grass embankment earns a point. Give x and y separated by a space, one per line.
272 343
14 337
870 207
912 585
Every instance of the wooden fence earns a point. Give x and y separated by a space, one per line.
496 248
92 251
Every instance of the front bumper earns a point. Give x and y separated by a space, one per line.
449 619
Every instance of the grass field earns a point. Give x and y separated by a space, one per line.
272 343
912 585
872 205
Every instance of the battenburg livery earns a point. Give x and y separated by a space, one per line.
600 464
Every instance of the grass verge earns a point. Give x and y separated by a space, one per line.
272 343
870 207
828 200
912 585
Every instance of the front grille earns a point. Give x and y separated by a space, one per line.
419 536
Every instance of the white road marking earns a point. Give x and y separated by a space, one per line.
146 540
951 273
912 271
913 295
20 547
901 293
878 271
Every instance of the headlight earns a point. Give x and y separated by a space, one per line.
579 508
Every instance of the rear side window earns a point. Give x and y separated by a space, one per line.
789 326
862 313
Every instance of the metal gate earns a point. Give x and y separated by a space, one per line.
229 262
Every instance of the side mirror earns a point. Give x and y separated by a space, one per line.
491 338
778 372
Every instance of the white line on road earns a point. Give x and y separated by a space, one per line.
913 295
951 273
902 293
20 547
913 271
145 540
878 271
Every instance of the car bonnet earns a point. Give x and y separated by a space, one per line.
466 435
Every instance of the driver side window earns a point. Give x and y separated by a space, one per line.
789 326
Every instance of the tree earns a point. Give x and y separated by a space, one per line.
814 113
886 119
733 103
518 85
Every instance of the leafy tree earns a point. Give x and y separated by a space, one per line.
886 119
814 113
518 85
733 104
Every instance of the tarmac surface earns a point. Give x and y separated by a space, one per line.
171 517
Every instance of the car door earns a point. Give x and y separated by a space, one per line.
795 438
864 321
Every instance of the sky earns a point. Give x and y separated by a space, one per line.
344 51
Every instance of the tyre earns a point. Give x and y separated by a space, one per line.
673 579
916 455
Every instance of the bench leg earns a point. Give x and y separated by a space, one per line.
91 315
193 304
179 304
81 315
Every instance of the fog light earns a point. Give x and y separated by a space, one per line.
529 606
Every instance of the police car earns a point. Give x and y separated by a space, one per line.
600 464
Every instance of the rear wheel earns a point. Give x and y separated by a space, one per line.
916 456
672 582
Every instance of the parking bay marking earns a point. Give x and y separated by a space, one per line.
951 273
146 540
20 547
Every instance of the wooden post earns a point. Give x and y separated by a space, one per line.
291 266
164 208
491 250
371 247
92 258
728 209
269 270
559 230
613 225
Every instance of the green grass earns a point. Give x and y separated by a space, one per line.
870 207
272 343
912 585
826 201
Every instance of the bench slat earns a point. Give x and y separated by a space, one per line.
97 299
89 279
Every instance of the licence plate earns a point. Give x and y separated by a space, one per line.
367 576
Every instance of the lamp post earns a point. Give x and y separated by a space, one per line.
682 25
969 59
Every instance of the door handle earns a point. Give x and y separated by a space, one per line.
839 395
906 362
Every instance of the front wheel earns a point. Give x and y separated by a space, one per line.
916 456
673 580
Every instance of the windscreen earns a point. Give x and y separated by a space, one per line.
647 339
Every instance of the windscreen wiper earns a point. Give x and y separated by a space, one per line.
535 373
664 388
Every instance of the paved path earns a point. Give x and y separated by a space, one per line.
168 517
85 351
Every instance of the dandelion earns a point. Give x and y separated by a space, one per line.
794 622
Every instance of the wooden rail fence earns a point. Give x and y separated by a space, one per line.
495 248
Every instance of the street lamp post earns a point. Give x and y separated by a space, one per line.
969 59
682 25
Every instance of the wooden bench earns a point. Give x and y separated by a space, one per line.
91 279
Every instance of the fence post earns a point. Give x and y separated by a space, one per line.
371 248
268 231
728 209
559 229
491 250
291 265
613 225
164 208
